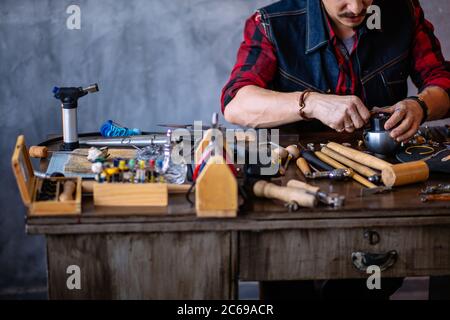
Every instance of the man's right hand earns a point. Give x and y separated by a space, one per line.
341 113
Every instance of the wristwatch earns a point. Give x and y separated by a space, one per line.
423 105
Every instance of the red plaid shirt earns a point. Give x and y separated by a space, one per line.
257 63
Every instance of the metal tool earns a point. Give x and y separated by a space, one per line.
377 139
364 192
331 199
435 197
69 103
137 141
437 189
336 174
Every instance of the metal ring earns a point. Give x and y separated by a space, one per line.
431 150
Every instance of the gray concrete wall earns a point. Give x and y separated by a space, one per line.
156 61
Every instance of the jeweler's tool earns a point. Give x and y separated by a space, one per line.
69 103
288 195
331 199
372 175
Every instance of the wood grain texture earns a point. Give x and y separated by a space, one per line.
216 190
144 266
326 253
130 194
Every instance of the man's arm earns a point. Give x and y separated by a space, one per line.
247 101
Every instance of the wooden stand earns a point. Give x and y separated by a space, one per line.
29 186
216 189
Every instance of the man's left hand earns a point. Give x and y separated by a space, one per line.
406 117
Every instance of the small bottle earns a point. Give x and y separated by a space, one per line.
151 172
141 172
159 170
124 172
132 170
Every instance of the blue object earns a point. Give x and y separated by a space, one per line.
112 129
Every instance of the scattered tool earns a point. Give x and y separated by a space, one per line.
331 199
364 192
358 156
435 197
291 196
314 160
303 165
293 153
372 175
437 189
69 103
336 174
338 165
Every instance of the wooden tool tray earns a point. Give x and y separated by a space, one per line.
30 187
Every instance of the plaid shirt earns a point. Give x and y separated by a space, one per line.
257 63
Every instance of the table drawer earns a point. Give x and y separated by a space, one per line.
336 253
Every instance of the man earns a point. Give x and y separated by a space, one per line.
315 64
321 61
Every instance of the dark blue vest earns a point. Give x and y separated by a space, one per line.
305 57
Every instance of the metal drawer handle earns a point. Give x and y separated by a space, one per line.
362 260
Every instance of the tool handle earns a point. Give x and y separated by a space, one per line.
435 197
302 185
69 188
358 156
316 162
279 153
269 190
293 151
405 173
303 166
366 171
338 165
38 152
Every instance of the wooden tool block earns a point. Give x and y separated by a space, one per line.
216 190
131 194
30 186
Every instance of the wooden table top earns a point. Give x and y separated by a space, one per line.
396 207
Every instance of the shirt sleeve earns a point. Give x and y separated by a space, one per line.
429 66
256 61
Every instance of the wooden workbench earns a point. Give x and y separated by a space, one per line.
179 256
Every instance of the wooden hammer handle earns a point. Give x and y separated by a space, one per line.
269 190
302 185
67 194
338 165
302 164
358 156
38 152
366 171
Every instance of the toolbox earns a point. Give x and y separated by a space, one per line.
31 187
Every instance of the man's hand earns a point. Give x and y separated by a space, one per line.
341 113
406 117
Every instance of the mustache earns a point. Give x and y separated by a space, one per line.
352 15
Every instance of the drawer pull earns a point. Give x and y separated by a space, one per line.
362 260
